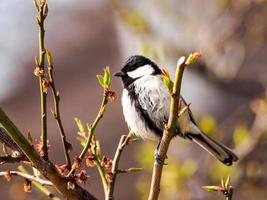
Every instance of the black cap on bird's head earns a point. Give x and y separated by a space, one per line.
136 67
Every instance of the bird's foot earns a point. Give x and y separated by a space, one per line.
159 159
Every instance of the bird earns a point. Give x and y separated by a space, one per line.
146 105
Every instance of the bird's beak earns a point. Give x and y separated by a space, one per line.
119 74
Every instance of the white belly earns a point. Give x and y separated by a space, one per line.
133 119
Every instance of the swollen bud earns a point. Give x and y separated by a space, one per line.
167 80
193 58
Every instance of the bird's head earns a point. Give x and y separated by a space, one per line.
137 67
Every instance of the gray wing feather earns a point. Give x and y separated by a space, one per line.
155 100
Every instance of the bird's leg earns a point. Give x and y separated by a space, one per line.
158 159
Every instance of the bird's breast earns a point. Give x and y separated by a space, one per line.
134 119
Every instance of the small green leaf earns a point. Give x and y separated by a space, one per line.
167 80
107 76
101 80
212 188
80 125
135 169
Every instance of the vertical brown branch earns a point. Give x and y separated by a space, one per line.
101 169
56 113
169 130
115 165
42 13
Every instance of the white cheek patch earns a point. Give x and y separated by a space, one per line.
141 71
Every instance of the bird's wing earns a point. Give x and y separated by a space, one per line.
155 100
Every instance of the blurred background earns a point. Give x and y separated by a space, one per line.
227 87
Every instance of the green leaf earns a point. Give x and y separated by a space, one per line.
80 125
212 188
107 76
135 169
101 80
167 80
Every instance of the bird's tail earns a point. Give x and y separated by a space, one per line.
218 150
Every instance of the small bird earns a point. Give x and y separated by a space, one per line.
146 106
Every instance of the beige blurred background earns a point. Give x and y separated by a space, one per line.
85 36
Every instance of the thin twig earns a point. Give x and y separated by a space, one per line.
27 176
169 130
39 185
7 141
91 130
42 80
56 97
11 159
101 169
115 164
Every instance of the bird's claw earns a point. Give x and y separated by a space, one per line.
159 159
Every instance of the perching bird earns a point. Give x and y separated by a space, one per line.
146 106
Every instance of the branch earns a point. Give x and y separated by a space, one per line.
91 130
39 185
56 112
169 130
7 141
11 159
101 169
115 164
47 169
27 176
39 71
